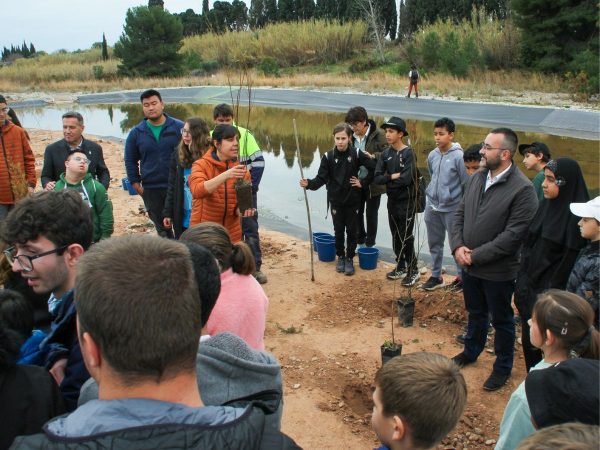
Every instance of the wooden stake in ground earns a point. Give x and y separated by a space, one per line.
310 235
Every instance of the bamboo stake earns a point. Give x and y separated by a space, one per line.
310 235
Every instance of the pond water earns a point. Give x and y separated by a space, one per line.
280 200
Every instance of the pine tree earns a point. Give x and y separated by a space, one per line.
286 11
390 18
238 16
205 7
158 3
149 44
305 9
270 11
104 48
554 33
25 50
31 49
257 17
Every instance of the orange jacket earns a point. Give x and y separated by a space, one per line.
221 205
17 164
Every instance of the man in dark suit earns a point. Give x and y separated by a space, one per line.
57 152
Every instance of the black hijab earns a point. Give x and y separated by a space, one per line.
554 219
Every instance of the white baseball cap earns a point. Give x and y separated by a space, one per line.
589 209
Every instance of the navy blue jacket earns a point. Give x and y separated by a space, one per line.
62 342
153 157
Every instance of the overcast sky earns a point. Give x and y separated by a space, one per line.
71 24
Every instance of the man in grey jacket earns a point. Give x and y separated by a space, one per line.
488 229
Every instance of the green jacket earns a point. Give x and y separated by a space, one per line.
94 194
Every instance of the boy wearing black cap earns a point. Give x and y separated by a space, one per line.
396 168
535 157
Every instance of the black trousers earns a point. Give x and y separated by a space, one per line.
401 217
344 226
368 234
154 202
251 236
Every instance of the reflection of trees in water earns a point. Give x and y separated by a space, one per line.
274 131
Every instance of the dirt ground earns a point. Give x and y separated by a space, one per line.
327 333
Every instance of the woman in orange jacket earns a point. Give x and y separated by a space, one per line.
212 183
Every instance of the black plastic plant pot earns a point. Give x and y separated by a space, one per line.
243 192
388 353
406 311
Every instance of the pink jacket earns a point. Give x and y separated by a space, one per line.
241 309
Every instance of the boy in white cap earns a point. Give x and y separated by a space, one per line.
585 276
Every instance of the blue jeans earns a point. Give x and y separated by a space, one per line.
251 237
493 297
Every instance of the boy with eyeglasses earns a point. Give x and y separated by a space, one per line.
93 193
48 233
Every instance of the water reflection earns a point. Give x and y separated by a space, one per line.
273 128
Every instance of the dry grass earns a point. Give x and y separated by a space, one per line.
483 85
291 44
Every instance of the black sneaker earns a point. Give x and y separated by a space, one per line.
433 283
461 360
461 338
495 381
349 269
411 279
341 265
456 285
396 274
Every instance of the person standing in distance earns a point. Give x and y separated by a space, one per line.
148 151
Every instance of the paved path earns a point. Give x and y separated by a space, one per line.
562 122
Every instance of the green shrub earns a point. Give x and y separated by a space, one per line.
206 68
192 60
98 72
430 50
363 65
269 66
583 79
481 40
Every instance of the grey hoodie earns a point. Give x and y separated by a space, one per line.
229 369
448 175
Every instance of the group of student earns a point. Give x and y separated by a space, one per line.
199 304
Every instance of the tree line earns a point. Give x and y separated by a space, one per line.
18 51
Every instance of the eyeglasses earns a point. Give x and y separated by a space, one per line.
81 159
187 132
5 110
487 147
26 261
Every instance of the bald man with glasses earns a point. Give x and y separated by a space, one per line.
489 227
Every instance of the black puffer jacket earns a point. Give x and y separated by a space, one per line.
585 276
29 397
335 170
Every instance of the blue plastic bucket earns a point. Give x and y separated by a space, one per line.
326 248
317 235
367 257
127 186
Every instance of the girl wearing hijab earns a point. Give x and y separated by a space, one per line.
552 244
195 141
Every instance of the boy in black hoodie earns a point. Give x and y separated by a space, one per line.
339 169
396 168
